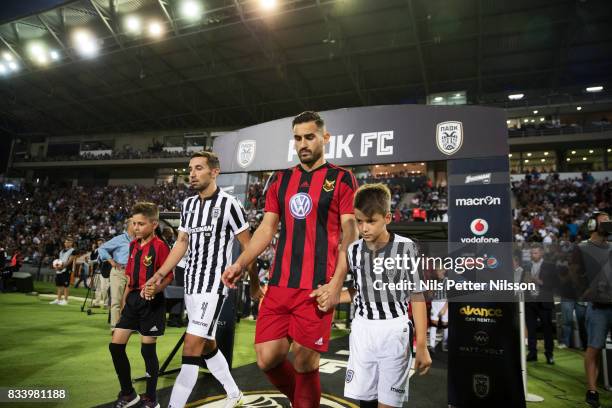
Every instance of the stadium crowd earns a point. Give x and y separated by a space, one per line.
35 218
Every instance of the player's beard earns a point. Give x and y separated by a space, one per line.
200 186
316 155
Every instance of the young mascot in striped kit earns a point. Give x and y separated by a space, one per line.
380 350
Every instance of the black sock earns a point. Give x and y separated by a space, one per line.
122 367
368 404
152 365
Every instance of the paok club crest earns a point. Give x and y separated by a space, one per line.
449 137
481 385
246 152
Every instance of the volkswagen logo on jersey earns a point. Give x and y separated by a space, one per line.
300 205
479 226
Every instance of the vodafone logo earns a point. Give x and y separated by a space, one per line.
479 226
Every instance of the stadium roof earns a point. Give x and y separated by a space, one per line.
239 64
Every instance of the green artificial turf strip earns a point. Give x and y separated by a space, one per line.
562 385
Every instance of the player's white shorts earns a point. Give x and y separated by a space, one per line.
380 358
203 310
436 307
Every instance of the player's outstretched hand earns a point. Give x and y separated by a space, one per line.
422 360
231 275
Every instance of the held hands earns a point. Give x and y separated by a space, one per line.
148 290
327 297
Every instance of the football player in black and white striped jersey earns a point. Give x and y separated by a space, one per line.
210 221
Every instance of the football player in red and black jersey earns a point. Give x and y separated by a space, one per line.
313 201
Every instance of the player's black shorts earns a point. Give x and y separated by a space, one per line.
147 317
62 279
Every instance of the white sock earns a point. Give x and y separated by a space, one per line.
445 335
183 385
217 365
432 336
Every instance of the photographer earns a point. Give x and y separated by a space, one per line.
592 261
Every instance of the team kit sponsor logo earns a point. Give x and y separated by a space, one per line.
300 205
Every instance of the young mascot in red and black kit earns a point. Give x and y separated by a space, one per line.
147 317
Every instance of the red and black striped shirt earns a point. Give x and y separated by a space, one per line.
309 205
145 260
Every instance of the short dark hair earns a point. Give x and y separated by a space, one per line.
536 245
308 116
147 209
373 199
211 158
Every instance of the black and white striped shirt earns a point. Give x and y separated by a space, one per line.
372 301
211 225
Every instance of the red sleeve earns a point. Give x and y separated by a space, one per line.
272 194
348 185
162 254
